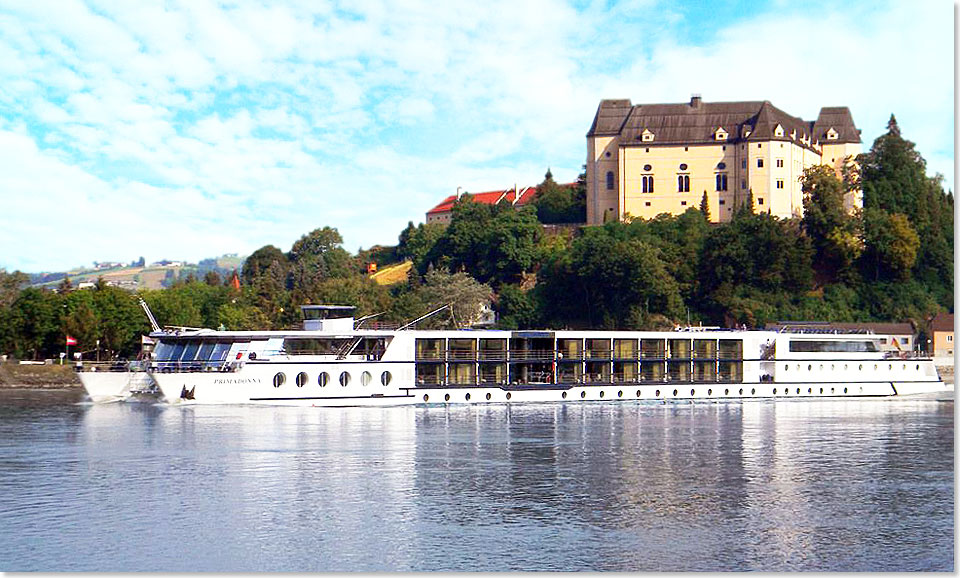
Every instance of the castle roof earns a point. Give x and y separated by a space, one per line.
698 122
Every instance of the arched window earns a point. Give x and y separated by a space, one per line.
683 183
609 180
647 182
721 181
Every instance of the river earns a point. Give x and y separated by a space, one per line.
829 485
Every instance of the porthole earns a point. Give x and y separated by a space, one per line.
874 366
601 394
279 379
446 397
726 392
821 367
861 389
563 395
809 390
426 397
774 391
692 393
891 367
657 394
753 391
786 367
365 378
918 367
844 366
385 378
467 397
861 367
844 390
674 393
741 391
798 367
620 393
583 394
508 396
810 367
832 390
344 379
638 393
821 391
709 392
302 379
488 397
798 391
832 367
323 378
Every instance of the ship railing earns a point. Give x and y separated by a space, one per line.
124 365
531 355
197 366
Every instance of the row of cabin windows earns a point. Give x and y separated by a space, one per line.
683 183
324 378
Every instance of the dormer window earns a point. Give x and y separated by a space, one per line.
778 131
832 134
793 134
720 134
646 135
746 130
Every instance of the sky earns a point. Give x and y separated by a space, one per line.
187 130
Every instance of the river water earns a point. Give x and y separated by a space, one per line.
786 485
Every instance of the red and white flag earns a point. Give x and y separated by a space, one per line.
71 340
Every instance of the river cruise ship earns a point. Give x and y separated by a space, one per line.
335 361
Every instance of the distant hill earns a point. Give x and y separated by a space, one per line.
138 275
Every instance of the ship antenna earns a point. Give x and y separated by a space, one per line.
422 317
146 309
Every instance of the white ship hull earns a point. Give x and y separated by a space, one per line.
111 386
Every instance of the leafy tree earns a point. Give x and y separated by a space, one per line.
260 261
121 321
81 320
559 204
516 308
466 297
492 243
834 234
892 243
34 319
212 278
417 242
608 281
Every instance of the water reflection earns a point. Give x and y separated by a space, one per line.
818 485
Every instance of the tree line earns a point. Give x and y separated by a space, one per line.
890 261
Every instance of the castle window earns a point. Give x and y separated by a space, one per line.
759 163
779 183
683 203
609 180
720 134
760 201
779 163
647 168
683 166
832 134
743 164
646 182
647 204
721 181
721 165
778 131
722 202
646 136
743 184
683 183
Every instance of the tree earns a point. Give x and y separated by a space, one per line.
516 308
466 298
415 243
892 243
559 204
212 278
834 234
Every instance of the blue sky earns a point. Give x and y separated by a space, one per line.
186 130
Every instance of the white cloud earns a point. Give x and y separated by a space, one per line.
231 127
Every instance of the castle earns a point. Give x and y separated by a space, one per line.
647 159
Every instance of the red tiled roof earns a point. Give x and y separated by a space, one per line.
527 195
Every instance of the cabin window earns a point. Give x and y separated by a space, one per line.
323 379
302 379
344 379
279 379
365 378
385 378
849 346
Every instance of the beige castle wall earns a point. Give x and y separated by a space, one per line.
602 156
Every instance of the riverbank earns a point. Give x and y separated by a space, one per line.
16 376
